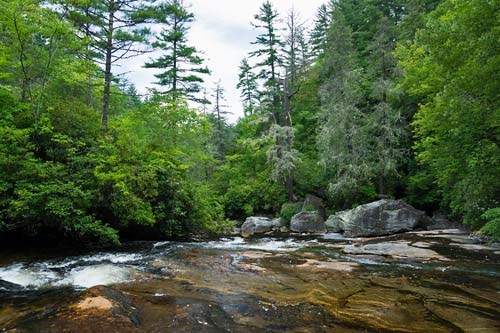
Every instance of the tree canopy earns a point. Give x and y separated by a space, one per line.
370 99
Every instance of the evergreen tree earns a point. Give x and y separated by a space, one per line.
115 30
270 45
282 157
341 140
181 63
248 86
386 124
220 119
319 33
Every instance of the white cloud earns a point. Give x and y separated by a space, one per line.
223 33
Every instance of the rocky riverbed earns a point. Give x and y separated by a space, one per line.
431 281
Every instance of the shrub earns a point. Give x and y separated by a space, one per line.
289 209
492 226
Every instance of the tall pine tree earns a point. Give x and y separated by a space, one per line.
269 45
181 64
115 30
248 87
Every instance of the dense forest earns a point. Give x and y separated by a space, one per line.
374 98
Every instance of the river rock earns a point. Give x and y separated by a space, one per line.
9 286
440 221
335 222
395 250
259 225
378 218
313 203
308 222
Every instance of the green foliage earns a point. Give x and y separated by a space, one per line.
181 64
267 54
248 86
162 170
452 67
492 222
245 177
281 155
289 209
341 139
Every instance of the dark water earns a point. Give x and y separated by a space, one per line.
294 284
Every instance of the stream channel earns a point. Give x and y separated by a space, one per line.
433 281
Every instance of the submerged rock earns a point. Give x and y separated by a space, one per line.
382 217
259 225
308 222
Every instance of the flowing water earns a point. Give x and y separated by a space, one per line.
414 282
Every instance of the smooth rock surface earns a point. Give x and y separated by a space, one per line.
335 223
259 225
271 284
308 222
313 203
395 250
378 218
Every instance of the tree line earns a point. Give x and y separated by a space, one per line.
375 98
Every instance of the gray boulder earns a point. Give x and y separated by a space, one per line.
259 225
308 222
440 221
335 222
378 218
313 203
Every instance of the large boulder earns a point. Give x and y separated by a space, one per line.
308 222
259 225
335 222
440 221
313 203
378 218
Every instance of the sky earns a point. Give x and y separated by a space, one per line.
223 33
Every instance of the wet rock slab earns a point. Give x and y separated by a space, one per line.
283 285
395 250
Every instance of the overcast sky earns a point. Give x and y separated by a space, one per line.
223 33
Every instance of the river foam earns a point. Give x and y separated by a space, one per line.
95 275
80 272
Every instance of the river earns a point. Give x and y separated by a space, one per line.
440 281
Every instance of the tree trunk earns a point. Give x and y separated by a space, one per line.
288 123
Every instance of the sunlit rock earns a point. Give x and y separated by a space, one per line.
394 249
259 225
382 217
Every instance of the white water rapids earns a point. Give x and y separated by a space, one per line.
106 268
109 268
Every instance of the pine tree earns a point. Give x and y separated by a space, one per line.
181 63
115 30
295 51
319 33
219 111
270 45
248 86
